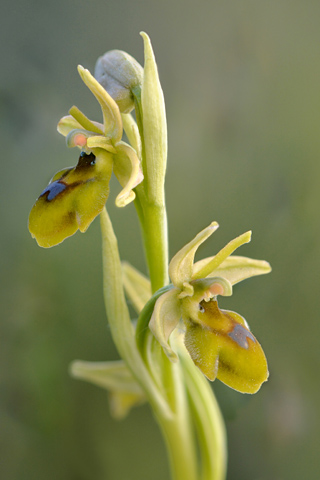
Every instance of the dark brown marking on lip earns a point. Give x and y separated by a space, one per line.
86 160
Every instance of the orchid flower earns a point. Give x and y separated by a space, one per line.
76 195
219 341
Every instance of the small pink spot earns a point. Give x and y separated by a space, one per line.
216 289
80 140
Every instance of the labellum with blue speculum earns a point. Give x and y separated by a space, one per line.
73 198
76 195
219 341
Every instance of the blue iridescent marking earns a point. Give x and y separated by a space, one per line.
240 334
53 190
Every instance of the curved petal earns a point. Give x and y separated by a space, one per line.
235 268
165 318
180 267
221 345
67 124
77 121
84 121
74 197
127 170
110 110
210 268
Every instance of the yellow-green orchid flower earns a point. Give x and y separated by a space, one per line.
76 195
219 341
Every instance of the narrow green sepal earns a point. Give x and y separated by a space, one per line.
181 265
235 268
165 318
128 172
116 378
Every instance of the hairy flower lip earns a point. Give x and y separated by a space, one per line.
76 195
214 338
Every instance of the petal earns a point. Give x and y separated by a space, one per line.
221 345
110 110
210 267
164 320
69 122
180 268
124 391
136 285
84 121
127 170
72 200
235 268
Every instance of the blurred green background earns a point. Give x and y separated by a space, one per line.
241 83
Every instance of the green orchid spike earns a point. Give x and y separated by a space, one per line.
75 196
219 342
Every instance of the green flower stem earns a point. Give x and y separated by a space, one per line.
155 240
177 429
208 419
178 435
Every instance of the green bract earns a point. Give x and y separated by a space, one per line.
218 341
76 195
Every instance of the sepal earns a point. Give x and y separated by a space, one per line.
128 172
124 391
181 265
235 268
164 320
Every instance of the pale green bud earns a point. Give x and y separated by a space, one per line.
119 74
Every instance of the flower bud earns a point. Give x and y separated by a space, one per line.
119 74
